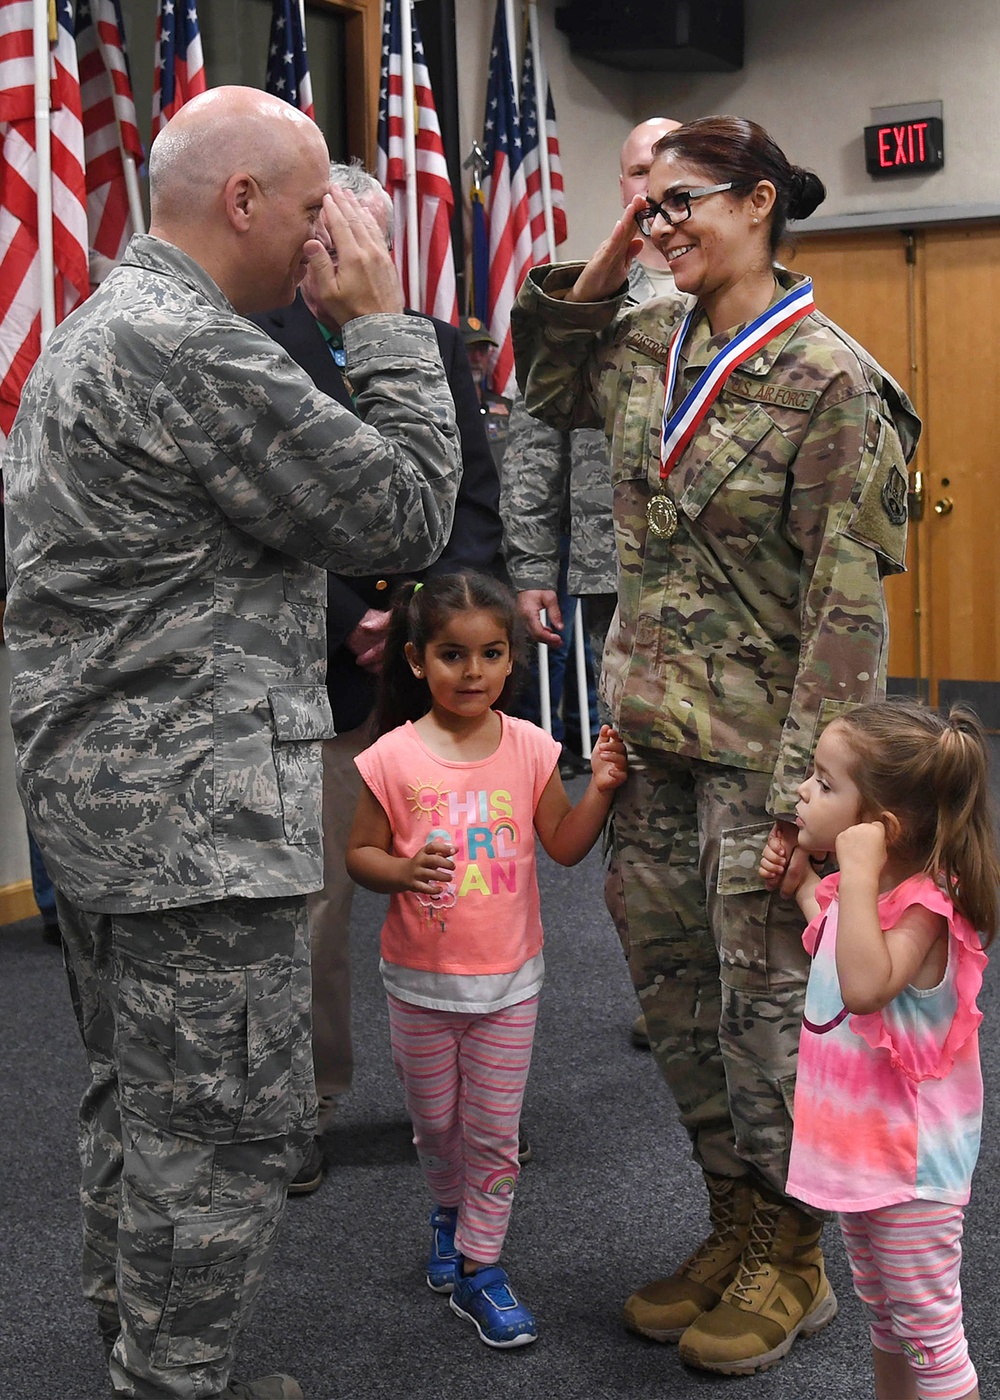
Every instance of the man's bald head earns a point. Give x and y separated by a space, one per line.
237 180
637 155
217 134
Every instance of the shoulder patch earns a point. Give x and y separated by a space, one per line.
894 492
879 517
647 345
780 395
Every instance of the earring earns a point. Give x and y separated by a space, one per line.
755 220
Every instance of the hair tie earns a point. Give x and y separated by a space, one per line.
417 587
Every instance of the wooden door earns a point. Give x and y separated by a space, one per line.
927 306
865 283
962 521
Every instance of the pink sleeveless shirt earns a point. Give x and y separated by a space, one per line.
487 919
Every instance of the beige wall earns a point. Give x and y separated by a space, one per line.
812 72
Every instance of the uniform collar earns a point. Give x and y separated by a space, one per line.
701 347
156 255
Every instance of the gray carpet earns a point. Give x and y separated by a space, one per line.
610 1200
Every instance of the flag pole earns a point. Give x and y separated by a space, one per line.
541 111
508 8
132 188
43 159
415 294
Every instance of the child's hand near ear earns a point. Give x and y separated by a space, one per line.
862 851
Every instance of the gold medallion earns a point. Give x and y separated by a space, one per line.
661 516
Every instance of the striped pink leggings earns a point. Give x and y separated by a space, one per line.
905 1260
464 1077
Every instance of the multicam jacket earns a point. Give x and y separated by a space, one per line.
763 616
176 489
553 482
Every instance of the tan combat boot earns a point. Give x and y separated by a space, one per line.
780 1290
663 1309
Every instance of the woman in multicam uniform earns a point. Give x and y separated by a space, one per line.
759 468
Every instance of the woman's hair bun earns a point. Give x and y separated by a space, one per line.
806 192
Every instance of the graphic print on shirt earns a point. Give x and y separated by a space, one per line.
479 826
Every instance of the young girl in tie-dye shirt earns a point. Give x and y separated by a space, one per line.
454 794
889 1093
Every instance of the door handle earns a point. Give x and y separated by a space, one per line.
945 506
915 496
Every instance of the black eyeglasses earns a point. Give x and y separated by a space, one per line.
676 206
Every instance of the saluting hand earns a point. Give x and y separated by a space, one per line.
610 265
356 276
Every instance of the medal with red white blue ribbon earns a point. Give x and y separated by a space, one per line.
680 426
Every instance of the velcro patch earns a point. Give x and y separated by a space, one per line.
780 395
647 345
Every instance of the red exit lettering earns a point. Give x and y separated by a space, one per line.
901 145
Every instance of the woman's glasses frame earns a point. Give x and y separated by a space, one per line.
678 206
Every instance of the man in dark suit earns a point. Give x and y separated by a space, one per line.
357 617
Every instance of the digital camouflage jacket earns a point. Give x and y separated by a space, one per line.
555 481
176 489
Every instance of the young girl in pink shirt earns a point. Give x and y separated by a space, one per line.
454 793
889 1093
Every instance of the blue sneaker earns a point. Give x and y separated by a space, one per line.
443 1256
487 1300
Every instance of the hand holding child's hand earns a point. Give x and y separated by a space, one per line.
774 861
861 849
785 866
431 867
608 762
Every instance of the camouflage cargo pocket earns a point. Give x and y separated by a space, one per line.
207 1052
210 1259
745 900
302 717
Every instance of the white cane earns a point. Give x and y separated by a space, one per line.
582 682
544 697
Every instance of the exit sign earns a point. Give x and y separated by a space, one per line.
904 147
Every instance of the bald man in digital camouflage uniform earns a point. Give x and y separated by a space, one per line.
176 490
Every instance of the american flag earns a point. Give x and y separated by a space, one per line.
436 295
532 162
108 109
20 269
178 66
506 202
287 64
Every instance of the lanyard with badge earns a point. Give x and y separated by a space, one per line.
680 427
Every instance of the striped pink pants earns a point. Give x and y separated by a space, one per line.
464 1077
906 1260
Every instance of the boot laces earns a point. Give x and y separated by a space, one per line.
763 1228
722 1215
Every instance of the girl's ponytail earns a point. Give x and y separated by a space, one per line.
965 850
933 774
401 695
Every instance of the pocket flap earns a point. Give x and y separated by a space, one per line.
739 858
214 1237
301 712
740 440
